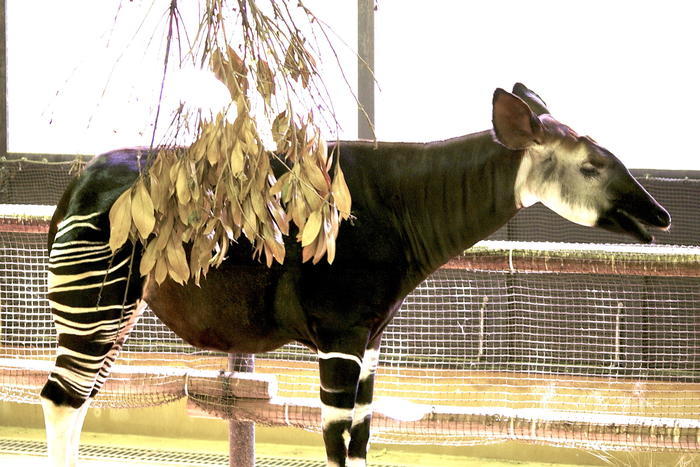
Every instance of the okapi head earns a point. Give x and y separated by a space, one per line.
571 174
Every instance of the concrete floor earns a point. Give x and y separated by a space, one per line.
394 458
380 457
169 428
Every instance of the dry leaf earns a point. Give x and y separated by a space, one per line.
182 185
311 228
120 221
307 253
236 61
258 205
142 210
341 193
223 186
163 234
317 178
280 184
237 158
330 248
320 248
177 262
280 126
148 260
313 199
161 269
249 221
279 216
266 82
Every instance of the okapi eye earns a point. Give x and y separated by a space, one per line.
589 171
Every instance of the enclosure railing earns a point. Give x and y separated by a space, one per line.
566 344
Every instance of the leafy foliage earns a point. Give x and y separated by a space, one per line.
222 186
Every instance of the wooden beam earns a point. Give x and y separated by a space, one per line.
478 423
175 382
545 257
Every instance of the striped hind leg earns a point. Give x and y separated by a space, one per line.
64 423
340 373
94 296
347 383
362 411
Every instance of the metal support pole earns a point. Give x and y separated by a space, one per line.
3 80
241 435
365 69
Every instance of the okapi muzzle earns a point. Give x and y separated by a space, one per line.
633 210
571 174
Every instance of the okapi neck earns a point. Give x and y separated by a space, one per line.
456 193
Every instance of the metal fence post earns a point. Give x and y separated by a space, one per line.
241 435
3 80
365 68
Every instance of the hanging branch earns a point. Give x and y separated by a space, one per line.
223 185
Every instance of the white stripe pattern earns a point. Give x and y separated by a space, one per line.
95 285
331 415
360 412
107 332
77 225
89 309
331 390
343 356
56 251
77 217
56 280
94 334
356 462
369 363
85 259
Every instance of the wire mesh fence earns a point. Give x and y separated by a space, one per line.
595 347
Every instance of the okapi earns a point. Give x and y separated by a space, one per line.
415 206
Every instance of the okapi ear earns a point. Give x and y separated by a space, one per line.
515 125
531 98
